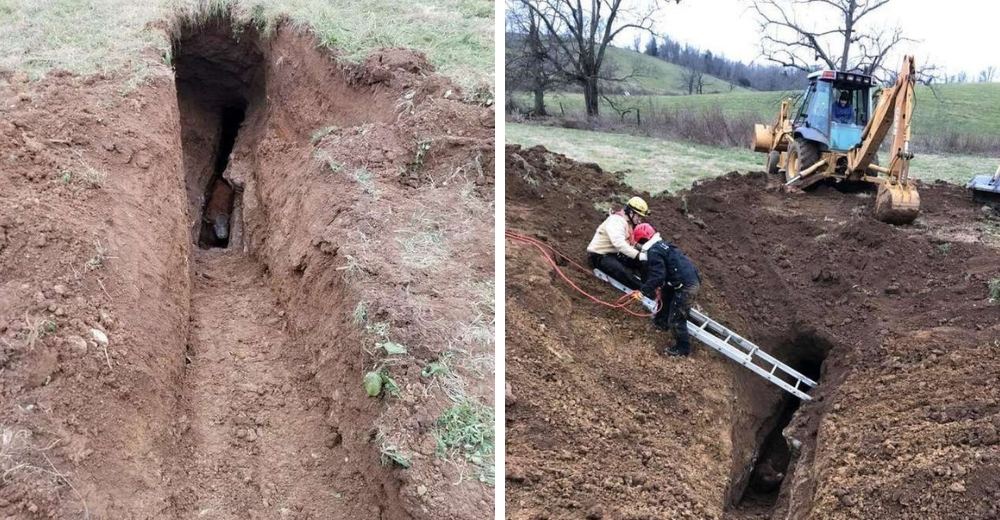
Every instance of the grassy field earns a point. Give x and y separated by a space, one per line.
87 36
967 109
655 165
661 77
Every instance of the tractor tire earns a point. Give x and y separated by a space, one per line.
772 162
802 154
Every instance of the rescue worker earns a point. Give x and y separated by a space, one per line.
671 273
612 251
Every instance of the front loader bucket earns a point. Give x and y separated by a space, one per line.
985 189
763 139
896 204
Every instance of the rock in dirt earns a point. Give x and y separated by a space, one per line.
106 319
508 394
957 487
100 337
143 160
595 513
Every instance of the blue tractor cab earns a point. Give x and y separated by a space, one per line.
834 109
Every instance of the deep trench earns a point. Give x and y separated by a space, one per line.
237 334
759 483
220 85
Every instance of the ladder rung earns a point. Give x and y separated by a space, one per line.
745 352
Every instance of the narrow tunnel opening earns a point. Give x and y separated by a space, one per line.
216 214
219 76
231 119
760 482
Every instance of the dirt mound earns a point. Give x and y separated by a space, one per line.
895 322
165 354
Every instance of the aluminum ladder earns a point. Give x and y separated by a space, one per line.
735 347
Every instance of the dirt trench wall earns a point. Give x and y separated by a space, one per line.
94 236
306 221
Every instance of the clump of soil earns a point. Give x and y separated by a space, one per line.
155 364
896 325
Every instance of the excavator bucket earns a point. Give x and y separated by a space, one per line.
897 204
986 188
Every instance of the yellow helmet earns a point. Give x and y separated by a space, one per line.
638 206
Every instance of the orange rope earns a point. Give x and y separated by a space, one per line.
621 304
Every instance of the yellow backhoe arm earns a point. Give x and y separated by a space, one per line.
897 200
895 102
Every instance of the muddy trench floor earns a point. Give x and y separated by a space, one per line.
253 432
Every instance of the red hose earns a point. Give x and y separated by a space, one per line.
621 304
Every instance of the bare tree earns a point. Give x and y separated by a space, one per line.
637 44
986 76
693 80
582 31
800 33
531 63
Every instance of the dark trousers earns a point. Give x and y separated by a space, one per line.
617 266
675 312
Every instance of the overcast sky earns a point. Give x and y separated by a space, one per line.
955 34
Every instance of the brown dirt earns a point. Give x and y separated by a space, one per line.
895 323
231 383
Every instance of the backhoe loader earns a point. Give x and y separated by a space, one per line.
834 134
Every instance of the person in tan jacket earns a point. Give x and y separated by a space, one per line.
612 249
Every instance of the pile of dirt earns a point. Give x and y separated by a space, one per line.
894 321
149 372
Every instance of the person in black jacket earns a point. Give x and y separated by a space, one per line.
676 278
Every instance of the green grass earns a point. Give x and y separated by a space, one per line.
88 36
655 165
967 109
661 77
467 429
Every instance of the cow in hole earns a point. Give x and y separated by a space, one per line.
216 217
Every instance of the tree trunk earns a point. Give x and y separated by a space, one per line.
591 95
848 34
540 102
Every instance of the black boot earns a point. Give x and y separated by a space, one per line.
677 351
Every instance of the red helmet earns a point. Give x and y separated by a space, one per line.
643 232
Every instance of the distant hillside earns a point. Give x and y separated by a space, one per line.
661 77
966 109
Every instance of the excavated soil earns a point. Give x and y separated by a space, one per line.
895 322
154 364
